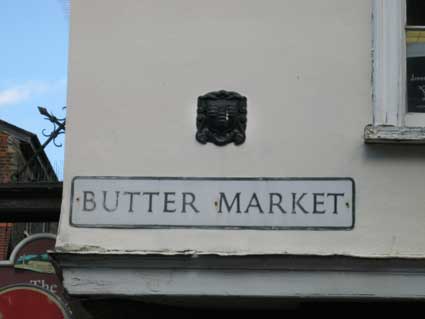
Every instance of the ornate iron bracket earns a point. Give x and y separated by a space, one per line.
58 126
58 129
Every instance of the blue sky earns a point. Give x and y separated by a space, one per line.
33 64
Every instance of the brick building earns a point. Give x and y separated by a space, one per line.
18 165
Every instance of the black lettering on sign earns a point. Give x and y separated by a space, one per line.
274 203
89 203
296 202
236 200
150 196
254 203
105 200
335 196
168 202
318 202
130 208
189 200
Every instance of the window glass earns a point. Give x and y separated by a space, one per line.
415 12
415 37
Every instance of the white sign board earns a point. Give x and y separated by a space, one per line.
229 203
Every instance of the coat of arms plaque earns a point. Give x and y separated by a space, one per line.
222 118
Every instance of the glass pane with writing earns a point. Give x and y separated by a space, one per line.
416 71
415 38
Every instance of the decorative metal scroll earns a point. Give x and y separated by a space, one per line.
58 129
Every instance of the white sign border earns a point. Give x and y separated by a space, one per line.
212 227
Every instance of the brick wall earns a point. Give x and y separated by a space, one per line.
11 161
5 177
5 159
5 232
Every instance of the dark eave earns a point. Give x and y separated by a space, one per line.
34 202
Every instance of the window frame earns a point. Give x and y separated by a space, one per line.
391 121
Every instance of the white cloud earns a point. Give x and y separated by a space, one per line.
13 96
21 93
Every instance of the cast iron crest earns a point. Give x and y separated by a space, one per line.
221 118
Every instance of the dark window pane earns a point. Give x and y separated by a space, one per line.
416 84
36 228
416 12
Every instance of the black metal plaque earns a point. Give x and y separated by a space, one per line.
221 118
416 84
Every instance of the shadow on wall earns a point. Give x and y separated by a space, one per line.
394 152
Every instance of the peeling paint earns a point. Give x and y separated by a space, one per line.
88 250
394 134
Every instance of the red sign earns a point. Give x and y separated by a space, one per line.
29 284
27 301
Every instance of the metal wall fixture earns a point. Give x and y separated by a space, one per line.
221 118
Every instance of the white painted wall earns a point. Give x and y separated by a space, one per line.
137 68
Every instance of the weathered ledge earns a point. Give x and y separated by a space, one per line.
394 134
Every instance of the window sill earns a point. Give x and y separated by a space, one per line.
394 134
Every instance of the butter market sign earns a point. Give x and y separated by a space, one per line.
221 203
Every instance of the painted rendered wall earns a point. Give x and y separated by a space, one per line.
137 68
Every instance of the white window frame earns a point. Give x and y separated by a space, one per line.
391 122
